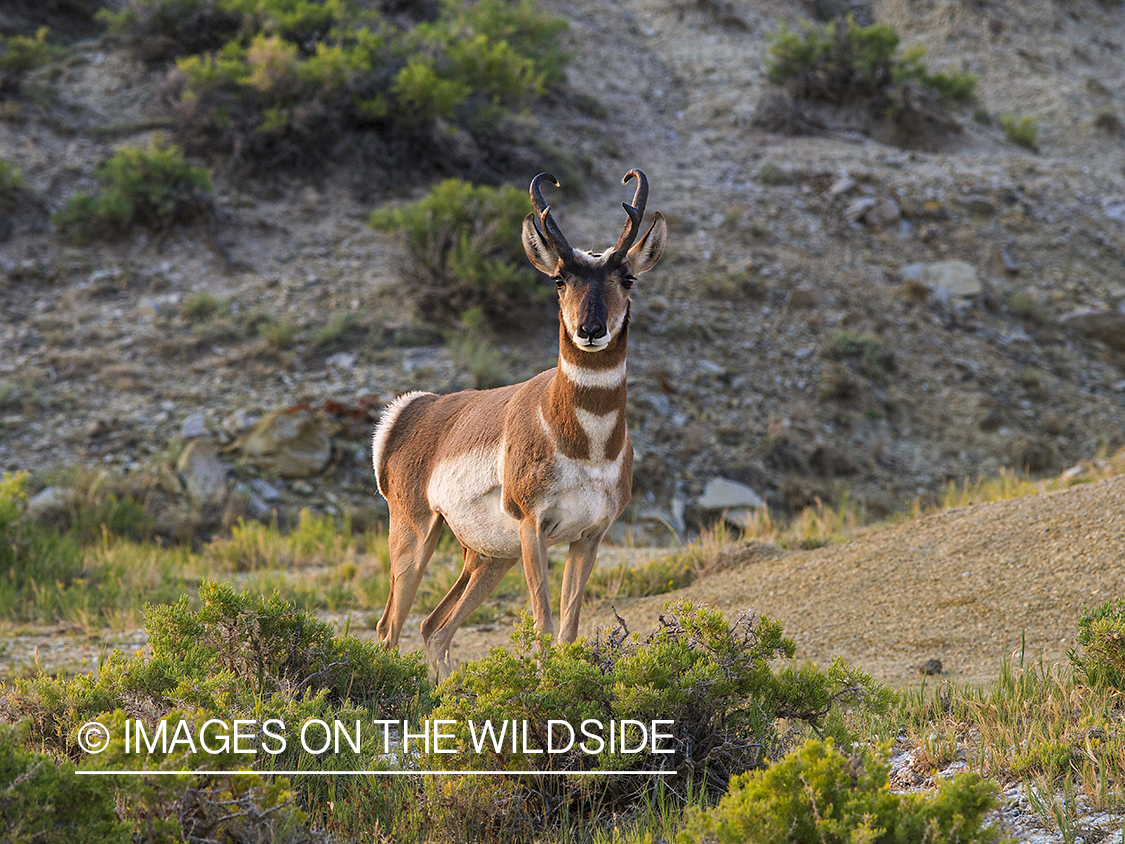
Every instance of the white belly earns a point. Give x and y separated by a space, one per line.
466 491
586 499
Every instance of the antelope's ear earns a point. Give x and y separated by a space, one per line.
644 255
542 256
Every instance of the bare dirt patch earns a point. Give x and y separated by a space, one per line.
970 586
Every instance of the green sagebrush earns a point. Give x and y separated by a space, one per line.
1100 658
464 251
844 61
816 793
281 81
711 678
153 187
236 653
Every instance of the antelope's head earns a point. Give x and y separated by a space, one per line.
593 286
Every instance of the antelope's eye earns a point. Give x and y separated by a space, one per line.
559 281
627 281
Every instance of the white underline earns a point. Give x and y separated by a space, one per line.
382 773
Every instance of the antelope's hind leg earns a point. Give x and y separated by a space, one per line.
411 546
480 575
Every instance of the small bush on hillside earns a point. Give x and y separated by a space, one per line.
151 187
283 81
865 349
1020 130
20 54
1101 637
464 250
163 29
845 63
816 793
711 679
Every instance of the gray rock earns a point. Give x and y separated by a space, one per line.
948 280
52 501
265 490
724 494
1010 265
857 209
679 506
237 422
882 215
842 185
709 367
1099 323
204 475
195 425
290 444
343 361
660 403
258 509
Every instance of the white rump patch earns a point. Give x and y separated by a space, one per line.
383 430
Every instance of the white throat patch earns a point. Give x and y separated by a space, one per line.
602 379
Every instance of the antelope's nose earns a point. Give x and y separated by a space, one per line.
591 330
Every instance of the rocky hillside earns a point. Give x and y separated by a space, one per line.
834 315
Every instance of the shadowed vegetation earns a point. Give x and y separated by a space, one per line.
280 82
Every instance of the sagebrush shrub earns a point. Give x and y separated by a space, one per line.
153 187
236 653
816 793
45 802
1101 639
1021 130
844 63
20 54
712 679
283 81
464 250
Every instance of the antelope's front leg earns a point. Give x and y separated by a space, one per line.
533 544
579 563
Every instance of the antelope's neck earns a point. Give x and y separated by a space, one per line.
584 406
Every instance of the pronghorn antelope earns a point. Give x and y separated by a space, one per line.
517 469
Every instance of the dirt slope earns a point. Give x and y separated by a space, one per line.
961 586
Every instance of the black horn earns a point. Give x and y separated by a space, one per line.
635 211
550 228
